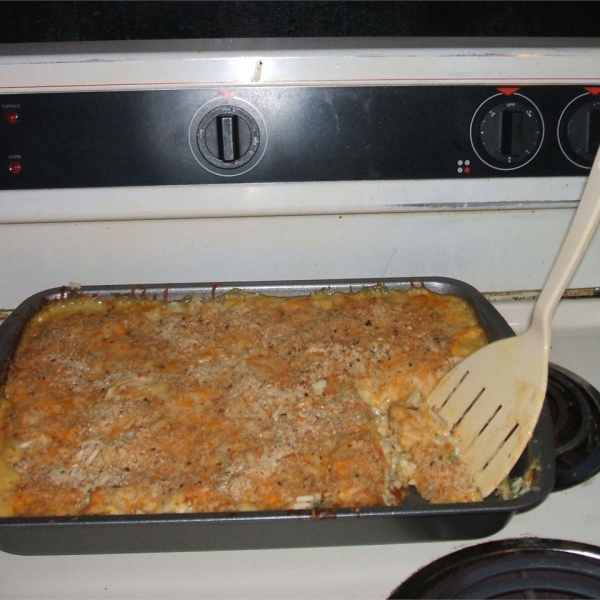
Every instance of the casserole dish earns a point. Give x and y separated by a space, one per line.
414 520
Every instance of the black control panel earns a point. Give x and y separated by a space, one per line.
295 134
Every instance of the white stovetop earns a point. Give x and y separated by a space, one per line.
348 572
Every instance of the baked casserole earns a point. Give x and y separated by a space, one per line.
240 402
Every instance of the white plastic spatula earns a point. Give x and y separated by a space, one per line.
492 400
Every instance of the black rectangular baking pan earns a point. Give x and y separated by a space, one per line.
414 521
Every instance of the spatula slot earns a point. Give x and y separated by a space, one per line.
480 449
466 412
504 442
466 374
490 420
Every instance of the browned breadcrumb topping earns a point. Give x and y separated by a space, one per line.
242 402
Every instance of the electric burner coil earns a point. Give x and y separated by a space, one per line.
514 568
575 409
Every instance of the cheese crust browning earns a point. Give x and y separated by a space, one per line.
240 402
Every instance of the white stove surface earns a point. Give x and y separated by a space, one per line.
347 572
117 235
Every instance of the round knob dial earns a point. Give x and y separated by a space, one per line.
507 132
227 136
579 130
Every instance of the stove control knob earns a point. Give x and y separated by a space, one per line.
227 136
507 131
579 130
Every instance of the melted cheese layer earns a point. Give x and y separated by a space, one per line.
242 402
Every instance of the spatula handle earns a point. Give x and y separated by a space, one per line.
578 238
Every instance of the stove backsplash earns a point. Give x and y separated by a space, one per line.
225 160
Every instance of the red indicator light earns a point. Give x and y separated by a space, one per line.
467 169
15 167
11 116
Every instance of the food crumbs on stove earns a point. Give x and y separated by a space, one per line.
241 402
